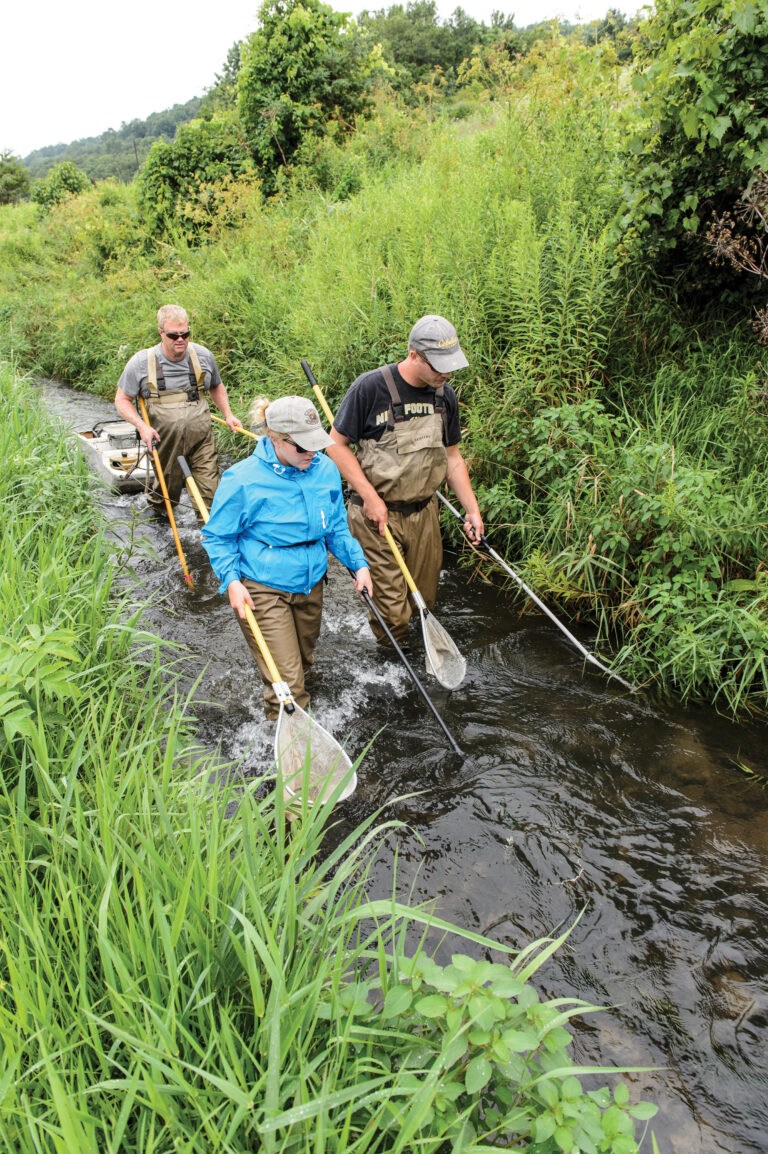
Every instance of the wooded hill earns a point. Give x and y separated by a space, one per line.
413 40
117 153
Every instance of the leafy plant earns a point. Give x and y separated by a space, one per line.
64 180
183 184
304 67
701 124
33 670
488 1057
14 178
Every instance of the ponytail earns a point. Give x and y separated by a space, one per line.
256 414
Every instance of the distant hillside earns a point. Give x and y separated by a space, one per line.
118 152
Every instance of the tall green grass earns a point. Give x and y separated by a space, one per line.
181 968
654 526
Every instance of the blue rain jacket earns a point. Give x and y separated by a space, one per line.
262 506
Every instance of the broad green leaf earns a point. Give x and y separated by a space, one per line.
397 1001
433 1006
621 1094
563 1135
718 126
478 1074
643 1111
690 121
543 1127
744 17
520 1040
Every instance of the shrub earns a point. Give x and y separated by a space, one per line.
183 184
700 129
14 178
64 180
302 69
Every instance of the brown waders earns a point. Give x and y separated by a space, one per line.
405 466
183 421
185 430
290 623
418 538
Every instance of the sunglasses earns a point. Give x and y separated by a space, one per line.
298 448
178 336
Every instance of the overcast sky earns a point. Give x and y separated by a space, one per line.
76 69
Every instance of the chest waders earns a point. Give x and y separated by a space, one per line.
183 420
375 615
156 381
408 463
406 466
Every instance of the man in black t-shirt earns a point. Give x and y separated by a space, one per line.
404 420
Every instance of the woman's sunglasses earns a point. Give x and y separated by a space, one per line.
298 448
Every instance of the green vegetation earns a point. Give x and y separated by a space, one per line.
304 66
616 425
183 184
62 181
701 125
14 178
418 45
173 978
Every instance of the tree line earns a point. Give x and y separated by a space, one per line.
406 46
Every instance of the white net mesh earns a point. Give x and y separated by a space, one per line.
307 752
443 658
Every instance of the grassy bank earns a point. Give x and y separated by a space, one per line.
618 443
173 979
645 512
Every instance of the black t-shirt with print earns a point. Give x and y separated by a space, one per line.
363 413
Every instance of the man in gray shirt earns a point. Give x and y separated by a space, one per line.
171 376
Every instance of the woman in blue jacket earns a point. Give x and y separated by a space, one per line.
273 519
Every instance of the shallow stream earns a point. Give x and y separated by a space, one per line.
578 798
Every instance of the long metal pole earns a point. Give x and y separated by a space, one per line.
587 655
431 705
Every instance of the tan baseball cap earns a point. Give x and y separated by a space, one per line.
297 418
435 338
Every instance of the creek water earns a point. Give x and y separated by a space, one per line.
580 804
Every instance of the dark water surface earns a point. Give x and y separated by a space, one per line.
578 797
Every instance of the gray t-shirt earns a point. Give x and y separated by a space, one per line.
175 373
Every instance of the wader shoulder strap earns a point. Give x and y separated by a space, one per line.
152 372
442 409
156 384
194 361
397 408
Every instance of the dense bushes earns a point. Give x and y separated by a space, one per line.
62 181
632 522
304 68
14 178
183 184
701 126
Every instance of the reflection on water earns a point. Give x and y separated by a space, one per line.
577 799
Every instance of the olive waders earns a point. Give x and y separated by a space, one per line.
290 624
405 466
183 421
